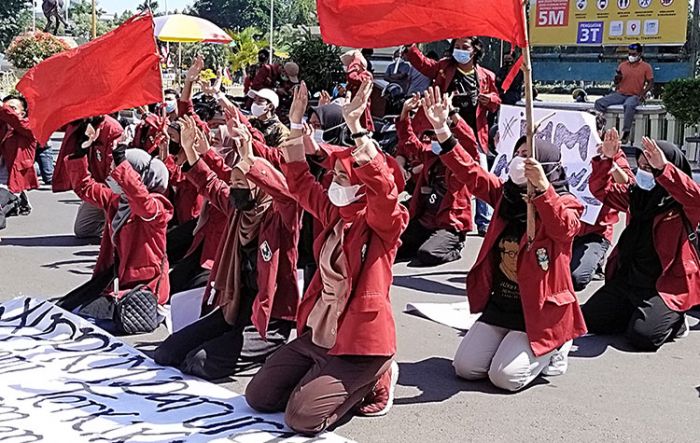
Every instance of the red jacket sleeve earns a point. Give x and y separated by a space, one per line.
210 186
270 180
357 74
426 66
20 125
216 163
683 189
264 78
604 188
491 92
385 215
308 192
272 155
85 186
408 144
481 183
142 202
560 215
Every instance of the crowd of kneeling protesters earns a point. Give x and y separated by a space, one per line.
229 205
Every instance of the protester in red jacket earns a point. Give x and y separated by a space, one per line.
440 206
17 150
593 241
137 217
653 275
356 72
346 331
98 134
474 87
253 280
530 314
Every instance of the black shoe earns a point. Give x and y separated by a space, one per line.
481 231
24 207
625 138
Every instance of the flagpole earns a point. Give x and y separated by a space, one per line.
529 125
94 19
272 16
33 16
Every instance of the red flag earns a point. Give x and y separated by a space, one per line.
116 71
512 74
383 23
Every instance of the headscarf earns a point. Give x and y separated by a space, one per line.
243 228
648 204
513 207
331 118
154 176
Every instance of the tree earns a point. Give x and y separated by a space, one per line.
246 46
148 4
239 14
80 15
11 19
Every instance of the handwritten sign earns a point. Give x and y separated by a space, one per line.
574 132
64 380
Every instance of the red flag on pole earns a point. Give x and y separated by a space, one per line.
512 74
116 71
382 23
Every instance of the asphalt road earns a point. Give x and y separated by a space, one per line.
609 393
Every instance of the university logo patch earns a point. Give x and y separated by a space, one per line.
543 259
266 252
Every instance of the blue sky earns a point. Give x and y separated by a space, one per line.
123 5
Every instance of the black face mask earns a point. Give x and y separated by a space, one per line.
242 199
173 148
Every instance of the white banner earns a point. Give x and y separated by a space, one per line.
64 380
574 132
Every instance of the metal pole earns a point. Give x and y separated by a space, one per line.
94 19
694 34
166 7
33 16
529 125
272 15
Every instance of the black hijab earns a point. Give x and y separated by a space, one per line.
513 207
648 204
331 118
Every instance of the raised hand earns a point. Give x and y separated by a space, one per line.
188 138
245 145
355 107
611 144
192 74
436 107
655 156
214 89
92 135
325 98
299 103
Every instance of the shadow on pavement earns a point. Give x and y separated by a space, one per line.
590 346
48 240
419 282
74 201
436 380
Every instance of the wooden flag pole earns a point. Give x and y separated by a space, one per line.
529 126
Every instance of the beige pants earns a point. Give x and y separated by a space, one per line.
502 355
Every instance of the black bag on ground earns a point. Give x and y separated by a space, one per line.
137 311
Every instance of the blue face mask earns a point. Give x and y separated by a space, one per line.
645 180
435 147
170 106
461 56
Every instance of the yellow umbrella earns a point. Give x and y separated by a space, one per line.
189 29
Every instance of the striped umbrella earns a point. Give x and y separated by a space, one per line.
188 29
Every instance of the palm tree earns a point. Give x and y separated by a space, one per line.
151 5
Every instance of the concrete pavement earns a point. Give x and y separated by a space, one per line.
609 393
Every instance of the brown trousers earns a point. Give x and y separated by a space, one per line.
313 389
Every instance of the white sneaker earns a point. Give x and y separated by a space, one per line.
559 362
684 330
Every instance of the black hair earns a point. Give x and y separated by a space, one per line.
264 52
521 141
476 45
171 91
20 99
432 55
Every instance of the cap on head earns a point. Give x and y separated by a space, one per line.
269 95
291 69
635 47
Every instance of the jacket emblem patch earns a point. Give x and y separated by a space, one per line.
543 259
266 252
363 252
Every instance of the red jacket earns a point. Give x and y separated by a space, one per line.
265 77
18 148
441 73
679 284
278 292
140 243
185 198
99 155
551 310
356 74
366 327
608 217
455 211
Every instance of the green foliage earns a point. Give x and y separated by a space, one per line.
80 18
215 55
682 99
12 15
318 62
239 14
245 48
148 4
28 50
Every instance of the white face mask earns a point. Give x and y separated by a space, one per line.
633 58
341 196
258 110
516 171
461 56
318 136
645 180
113 185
